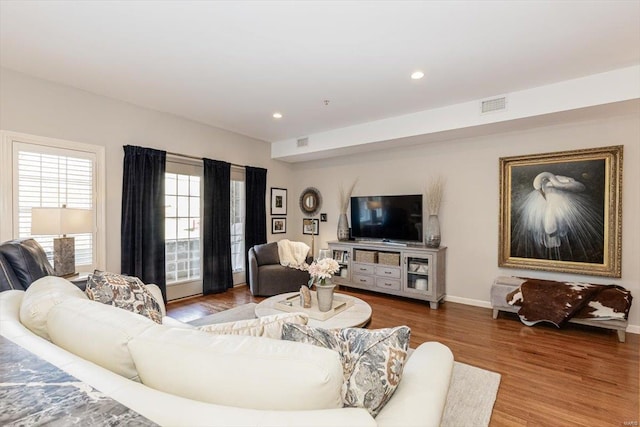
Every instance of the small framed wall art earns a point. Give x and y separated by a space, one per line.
278 225
310 226
278 201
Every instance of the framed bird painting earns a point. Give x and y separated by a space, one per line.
562 211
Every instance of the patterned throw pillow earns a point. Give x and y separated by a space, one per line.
124 292
372 360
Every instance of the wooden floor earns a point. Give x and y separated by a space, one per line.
577 376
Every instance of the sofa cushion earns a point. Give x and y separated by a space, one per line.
40 297
268 326
267 253
126 292
98 333
372 360
240 371
27 259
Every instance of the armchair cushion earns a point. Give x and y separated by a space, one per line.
8 279
27 259
267 254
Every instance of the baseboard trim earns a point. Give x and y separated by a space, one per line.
468 301
632 329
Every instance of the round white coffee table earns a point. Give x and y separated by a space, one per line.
355 316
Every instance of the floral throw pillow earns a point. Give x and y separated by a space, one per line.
372 360
124 292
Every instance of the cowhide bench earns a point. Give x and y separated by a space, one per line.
503 285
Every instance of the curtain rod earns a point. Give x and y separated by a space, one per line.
186 156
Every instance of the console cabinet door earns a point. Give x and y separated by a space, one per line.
418 274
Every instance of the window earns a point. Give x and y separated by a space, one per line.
47 172
237 224
54 180
182 227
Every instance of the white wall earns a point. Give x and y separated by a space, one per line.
469 214
43 108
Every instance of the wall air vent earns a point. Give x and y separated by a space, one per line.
303 142
495 104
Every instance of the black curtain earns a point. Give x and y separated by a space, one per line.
256 216
142 226
216 227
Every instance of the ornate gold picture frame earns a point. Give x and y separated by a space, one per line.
562 211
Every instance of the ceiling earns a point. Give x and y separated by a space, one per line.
233 64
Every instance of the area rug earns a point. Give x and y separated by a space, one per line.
241 312
471 396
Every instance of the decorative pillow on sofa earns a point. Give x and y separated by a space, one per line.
124 292
372 360
268 326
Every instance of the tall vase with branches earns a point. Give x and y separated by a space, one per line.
343 222
433 199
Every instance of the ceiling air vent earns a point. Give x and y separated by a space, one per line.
495 104
303 142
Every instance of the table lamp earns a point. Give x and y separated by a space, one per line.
60 222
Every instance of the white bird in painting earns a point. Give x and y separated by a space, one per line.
556 217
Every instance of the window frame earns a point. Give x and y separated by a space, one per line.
190 286
10 141
238 174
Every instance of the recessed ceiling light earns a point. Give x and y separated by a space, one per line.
417 75
277 115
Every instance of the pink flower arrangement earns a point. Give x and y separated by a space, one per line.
321 270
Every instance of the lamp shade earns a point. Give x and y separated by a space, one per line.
59 221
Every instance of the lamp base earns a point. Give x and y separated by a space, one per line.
64 256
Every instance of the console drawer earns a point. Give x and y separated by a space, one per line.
388 272
384 283
359 279
362 268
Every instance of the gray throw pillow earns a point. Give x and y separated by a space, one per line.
372 360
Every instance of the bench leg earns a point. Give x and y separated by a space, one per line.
621 335
495 313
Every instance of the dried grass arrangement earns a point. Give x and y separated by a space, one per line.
345 197
433 195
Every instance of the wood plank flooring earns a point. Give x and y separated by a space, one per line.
576 376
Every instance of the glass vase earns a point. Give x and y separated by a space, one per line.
432 236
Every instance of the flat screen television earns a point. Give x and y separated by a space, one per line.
387 218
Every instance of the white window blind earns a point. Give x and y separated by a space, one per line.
51 177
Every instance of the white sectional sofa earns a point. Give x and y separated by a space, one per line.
176 375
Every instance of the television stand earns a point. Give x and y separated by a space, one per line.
410 271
